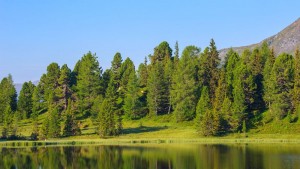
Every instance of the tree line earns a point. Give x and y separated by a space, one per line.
220 96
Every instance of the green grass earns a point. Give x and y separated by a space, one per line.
164 129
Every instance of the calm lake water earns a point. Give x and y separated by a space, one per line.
162 156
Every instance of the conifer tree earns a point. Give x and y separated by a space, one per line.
184 87
51 83
54 123
8 96
213 62
203 105
267 78
257 62
232 60
155 85
71 127
282 78
25 102
132 104
88 82
158 96
64 89
110 122
296 90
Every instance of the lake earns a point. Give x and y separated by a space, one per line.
159 156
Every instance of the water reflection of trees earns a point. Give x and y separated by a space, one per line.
156 157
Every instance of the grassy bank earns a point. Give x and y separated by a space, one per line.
162 129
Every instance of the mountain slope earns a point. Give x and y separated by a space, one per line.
285 41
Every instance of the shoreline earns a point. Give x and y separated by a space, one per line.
112 141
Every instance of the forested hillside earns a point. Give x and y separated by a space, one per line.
244 92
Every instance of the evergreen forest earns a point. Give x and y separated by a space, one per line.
218 95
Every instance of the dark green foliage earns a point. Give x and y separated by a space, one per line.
220 98
257 62
296 90
158 83
184 87
8 96
209 68
110 110
88 82
51 83
232 60
63 90
282 78
156 97
210 124
25 100
132 104
267 83
71 127
162 52
54 123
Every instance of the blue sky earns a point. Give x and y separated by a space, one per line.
34 33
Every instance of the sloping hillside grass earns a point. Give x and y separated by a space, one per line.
165 127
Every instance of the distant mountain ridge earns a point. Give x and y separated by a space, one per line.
287 40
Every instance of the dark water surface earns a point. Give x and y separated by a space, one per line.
162 156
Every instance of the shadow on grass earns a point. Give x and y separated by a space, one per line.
142 129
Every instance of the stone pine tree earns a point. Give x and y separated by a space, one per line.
109 118
8 96
116 78
64 91
132 103
296 90
157 85
51 83
203 106
54 120
267 89
71 127
282 78
232 60
88 82
213 63
25 101
257 62
184 87
220 95
127 69
209 68
142 75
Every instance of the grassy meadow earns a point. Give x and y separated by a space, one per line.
162 129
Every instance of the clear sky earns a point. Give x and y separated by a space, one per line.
34 33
